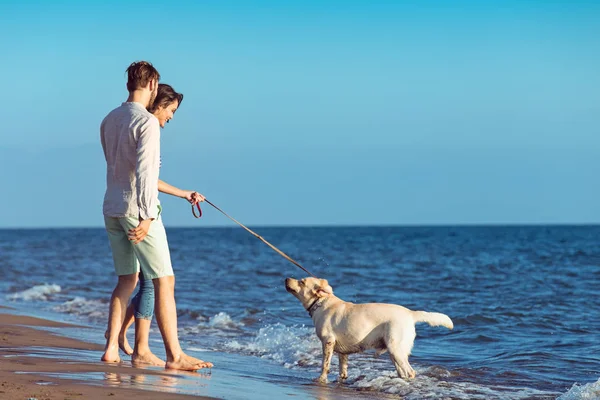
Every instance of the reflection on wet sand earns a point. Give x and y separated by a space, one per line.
167 381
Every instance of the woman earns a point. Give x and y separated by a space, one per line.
141 307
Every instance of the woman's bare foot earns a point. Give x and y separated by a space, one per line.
146 359
123 343
111 355
187 363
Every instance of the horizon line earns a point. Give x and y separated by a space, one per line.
300 226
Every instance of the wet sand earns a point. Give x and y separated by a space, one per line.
36 363
47 359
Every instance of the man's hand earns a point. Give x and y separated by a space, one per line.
138 234
193 197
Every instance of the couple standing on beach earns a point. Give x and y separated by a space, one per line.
130 136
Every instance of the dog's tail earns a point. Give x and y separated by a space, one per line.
433 318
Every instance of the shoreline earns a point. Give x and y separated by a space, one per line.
40 364
43 358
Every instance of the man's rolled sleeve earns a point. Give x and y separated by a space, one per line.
147 168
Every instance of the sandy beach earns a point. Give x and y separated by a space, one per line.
36 364
45 359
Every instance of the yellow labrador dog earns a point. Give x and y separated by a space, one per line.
347 328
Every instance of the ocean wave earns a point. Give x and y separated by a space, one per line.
287 345
94 309
583 392
38 292
220 324
223 320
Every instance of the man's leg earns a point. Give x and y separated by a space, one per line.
126 267
166 316
116 314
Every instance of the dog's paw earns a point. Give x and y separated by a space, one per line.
343 377
321 379
408 375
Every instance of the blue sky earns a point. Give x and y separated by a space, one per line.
312 113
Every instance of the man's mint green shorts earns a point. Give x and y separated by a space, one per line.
151 255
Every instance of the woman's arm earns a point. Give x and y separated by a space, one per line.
164 187
190 195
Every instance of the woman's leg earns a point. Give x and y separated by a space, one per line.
143 304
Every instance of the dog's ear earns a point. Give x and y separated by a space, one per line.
324 289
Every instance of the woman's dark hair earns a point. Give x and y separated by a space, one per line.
165 96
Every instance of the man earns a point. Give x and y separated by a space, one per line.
131 142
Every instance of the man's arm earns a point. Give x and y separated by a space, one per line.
147 168
146 173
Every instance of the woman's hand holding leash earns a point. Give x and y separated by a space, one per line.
195 199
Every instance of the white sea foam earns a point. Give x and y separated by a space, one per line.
289 346
583 392
432 383
84 307
198 349
220 324
223 321
38 292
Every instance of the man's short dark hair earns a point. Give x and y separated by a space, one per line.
139 74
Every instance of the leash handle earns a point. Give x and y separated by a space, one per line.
254 234
199 210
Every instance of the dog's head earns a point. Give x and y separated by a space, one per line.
308 290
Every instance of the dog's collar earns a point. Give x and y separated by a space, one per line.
313 307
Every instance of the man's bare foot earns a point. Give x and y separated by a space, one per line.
123 343
147 359
188 363
111 354
205 364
